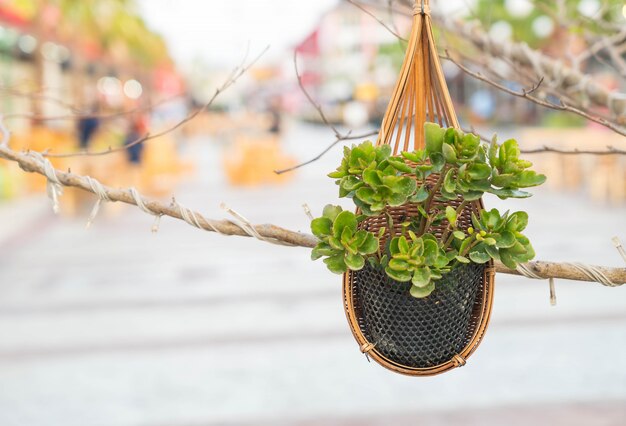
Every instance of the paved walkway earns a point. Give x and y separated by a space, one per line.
116 326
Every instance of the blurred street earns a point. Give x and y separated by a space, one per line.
118 326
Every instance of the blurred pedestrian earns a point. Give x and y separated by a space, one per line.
137 129
274 110
87 126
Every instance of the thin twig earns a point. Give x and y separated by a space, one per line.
236 74
527 94
377 19
339 137
100 115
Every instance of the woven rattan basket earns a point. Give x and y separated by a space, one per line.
418 337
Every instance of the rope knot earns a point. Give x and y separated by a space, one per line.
367 348
421 9
458 361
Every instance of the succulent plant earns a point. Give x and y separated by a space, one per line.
496 236
343 245
373 179
420 260
464 170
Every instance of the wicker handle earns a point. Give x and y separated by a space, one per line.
421 93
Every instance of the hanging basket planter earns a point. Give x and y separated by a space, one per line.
402 333
417 255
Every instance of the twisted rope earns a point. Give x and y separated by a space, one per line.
420 8
54 188
249 229
142 206
102 195
193 218
529 273
594 274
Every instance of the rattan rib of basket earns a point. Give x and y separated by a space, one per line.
419 337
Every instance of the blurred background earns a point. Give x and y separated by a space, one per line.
115 325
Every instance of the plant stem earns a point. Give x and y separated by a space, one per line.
450 226
471 246
429 200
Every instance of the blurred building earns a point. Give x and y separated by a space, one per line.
349 57
60 56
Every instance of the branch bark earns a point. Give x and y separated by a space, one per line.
31 164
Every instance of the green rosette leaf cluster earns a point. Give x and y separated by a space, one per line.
342 244
373 178
497 236
420 260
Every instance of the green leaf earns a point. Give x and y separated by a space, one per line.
372 177
321 250
493 252
394 246
438 161
401 276
398 265
479 171
465 244
472 195
383 152
331 212
335 243
400 165
415 156
490 241
505 239
479 257
337 174
350 183
503 180
370 245
354 261
397 200
344 220
321 227
462 259
403 245
421 277
336 264
421 292
517 222
431 251
507 258
421 195
449 153
346 237
509 193
441 261
359 237
459 235
434 137
405 186
448 182
451 216
366 195
493 152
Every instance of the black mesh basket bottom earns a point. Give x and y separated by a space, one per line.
418 333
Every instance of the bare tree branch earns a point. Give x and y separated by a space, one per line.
339 137
528 94
269 233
